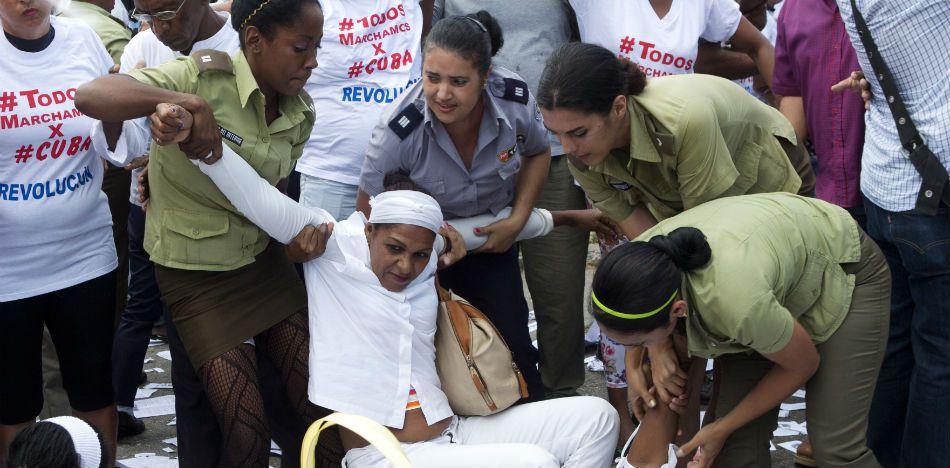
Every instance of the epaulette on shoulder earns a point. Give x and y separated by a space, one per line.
403 123
512 89
212 60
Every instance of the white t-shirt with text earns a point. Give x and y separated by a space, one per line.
369 55
667 46
55 225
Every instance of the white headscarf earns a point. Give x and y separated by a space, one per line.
84 439
406 207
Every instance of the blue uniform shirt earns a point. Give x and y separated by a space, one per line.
409 137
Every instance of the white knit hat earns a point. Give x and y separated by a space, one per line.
85 439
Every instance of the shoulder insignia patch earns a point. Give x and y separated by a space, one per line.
406 121
516 90
212 60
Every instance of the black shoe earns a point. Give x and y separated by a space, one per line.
129 425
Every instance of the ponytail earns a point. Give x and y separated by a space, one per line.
587 78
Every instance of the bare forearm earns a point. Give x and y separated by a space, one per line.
116 98
639 221
713 59
531 178
765 62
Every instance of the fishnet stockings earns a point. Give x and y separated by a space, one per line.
288 346
230 381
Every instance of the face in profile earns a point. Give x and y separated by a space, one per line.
398 253
451 84
587 136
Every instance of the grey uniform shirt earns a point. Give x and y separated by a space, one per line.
409 137
533 30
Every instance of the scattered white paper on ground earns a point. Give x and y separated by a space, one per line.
141 455
274 449
173 422
783 432
783 413
771 446
147 360
159 406
534 343
791 445
589 358
709 365
800 394
595 366
168 450
144 392
153 342
164 354
149 462
171 441
157 370
793 406
163 386
799 428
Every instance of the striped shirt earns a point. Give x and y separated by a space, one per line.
913 37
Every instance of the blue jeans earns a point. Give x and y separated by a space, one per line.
336 198
909 423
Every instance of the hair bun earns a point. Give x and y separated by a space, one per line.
686 246
494 29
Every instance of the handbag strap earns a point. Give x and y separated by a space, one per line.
371 431
932 172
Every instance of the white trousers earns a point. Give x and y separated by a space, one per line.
579 432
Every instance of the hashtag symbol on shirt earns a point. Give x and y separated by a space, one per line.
23 154
346 24
7 101
356 69
626 45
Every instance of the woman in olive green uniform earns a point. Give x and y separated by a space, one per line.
787 278
228 287
646 151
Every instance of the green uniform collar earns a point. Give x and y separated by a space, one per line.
293 109
246 84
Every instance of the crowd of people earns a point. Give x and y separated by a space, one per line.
286 184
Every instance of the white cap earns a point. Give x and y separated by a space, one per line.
85 439
406 207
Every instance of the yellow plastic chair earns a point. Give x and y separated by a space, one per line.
373 432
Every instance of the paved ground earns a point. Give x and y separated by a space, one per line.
153 440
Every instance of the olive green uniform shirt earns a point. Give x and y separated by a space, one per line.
693 138
776 258
111 31
191 225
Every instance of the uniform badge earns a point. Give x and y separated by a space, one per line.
507 154
230 136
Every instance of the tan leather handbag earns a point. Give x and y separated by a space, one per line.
474 363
